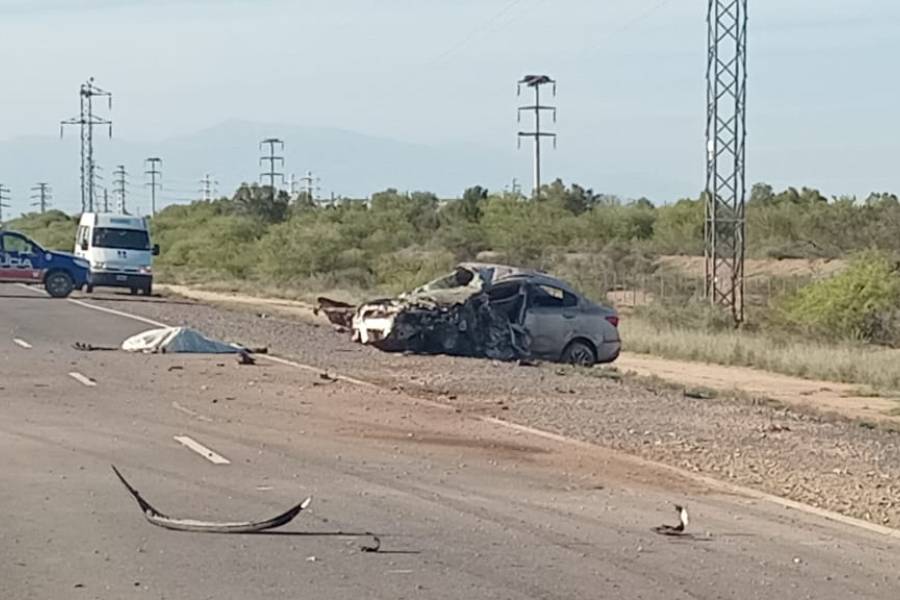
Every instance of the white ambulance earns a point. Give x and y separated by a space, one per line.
118 249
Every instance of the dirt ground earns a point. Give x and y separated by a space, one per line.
760 267
822 460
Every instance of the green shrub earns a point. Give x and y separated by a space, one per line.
861 302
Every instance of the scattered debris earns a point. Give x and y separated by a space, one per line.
84 347
376 545
675 529
527 362
244 358
160 520
700 393
337 312
175 368
324 376
776 428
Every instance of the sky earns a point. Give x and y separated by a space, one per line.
822 90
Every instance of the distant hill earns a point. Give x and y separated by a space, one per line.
347 163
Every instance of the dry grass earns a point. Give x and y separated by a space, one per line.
845 363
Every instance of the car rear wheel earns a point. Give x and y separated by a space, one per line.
59 284
148 289
579 353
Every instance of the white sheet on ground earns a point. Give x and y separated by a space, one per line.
176 339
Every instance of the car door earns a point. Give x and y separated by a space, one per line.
550 318
19 259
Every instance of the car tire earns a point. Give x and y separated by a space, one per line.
579 353
88 289
148 289
133 291
59 284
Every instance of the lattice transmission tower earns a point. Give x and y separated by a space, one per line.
726 133
88 120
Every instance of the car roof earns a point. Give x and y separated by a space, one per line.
539 279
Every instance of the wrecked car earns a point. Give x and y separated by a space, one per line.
496 311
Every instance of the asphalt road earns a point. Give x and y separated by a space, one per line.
464 509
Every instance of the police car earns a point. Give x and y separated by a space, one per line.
23 261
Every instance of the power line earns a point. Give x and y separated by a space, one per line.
272 159
42 196
726 134
154 162
4 195
87 120
120 189
535 82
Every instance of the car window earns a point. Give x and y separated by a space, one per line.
547 296
123 239
503 291
15 243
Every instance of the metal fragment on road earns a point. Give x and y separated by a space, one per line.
161 520
675 529
22 343
376 545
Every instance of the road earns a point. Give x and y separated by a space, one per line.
464 508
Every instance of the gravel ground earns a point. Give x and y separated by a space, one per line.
827 462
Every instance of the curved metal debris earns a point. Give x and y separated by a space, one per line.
160 520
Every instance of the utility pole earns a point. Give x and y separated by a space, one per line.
726 133
208 188
105 200
272 159
87 120
120 189
310 186
42 196
153 163
4 195
535 82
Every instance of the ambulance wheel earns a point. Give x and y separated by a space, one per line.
59 284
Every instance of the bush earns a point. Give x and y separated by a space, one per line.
860 303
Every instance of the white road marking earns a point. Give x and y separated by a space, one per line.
22 343
83 379
190 412
36 290
213 457
118 313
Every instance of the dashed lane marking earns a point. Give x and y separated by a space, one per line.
190 412
191 444
22 343
82 379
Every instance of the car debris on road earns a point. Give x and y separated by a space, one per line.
675 529
486 310
161 520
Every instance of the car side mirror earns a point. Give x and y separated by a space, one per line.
84 245
155 250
